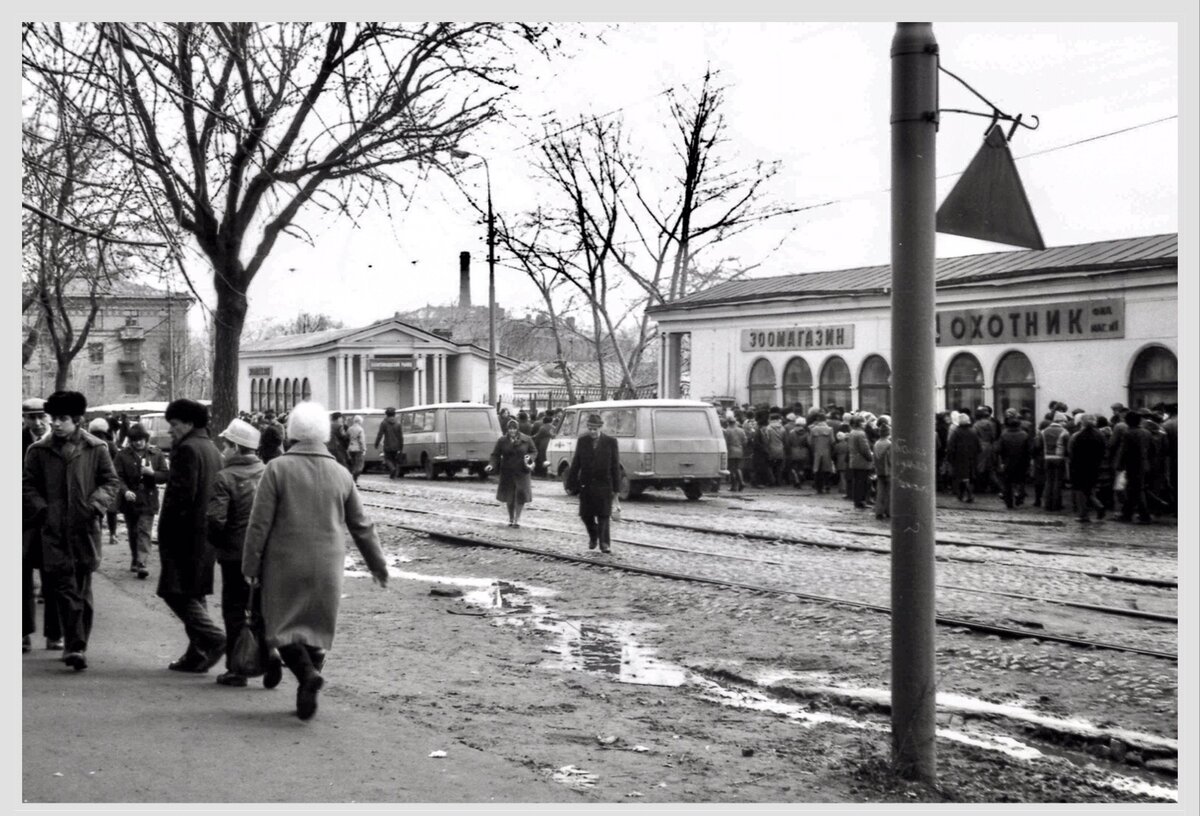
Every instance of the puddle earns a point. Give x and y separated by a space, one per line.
610 648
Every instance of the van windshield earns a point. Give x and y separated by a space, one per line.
619 421
468 421
682 423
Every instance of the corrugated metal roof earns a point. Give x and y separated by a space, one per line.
288 342
1100 256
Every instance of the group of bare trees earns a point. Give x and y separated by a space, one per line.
213 138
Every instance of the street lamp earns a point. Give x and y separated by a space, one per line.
491 242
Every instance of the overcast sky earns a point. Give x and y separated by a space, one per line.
816 97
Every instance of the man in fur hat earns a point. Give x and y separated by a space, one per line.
596 473
67 486
187 558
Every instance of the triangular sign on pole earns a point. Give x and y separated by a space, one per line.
989 201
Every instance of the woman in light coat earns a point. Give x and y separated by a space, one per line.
295 550
356 446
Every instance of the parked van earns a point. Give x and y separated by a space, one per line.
447 437
159 429
663 444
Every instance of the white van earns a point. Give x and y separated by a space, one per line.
448 436
663 444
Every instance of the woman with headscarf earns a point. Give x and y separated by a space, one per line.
513 457
356 446
295 549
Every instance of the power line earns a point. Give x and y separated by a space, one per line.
1101 136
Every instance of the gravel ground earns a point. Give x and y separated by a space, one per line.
780 699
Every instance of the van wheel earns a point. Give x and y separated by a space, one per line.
624 488
692 491
430 470
563 470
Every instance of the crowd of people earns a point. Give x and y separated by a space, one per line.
1096 464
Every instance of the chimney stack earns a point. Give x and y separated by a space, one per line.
464 280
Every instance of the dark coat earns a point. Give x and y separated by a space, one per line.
962 452
1086 451
541 438
1133 452
596 473
508 460
295 544
339 443
820 440
64 499
187 557
230 503
1013 451
390 434
859 450
128 465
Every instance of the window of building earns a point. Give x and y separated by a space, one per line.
131 382
1014 386
131 349
287 394
295 392
95 352
131 320
875 386
278 402
964 383
95 386
762 383
306 390
835 383
797 384
1153 378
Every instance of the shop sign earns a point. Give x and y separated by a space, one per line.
259 371
798 338
374 364
1069 320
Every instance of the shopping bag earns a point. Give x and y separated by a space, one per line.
1119 482
249 654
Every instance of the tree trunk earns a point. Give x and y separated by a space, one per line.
227 341
558 347
29 345
62 373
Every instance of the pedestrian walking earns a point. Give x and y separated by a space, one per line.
962 453
270 442
595 474
392 437
1013 451
228 515
141 468
512 458
339 439
1085 454
356 446
541 438
67 485
295 549
187 559
735 446
34 428
101 429
883 472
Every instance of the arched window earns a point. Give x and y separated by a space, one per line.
964 383
306 391
797 384
762 383
835 383
262 394
254 394
295 392
1014 384
875 386
1153 378
278 404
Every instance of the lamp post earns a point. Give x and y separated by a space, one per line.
491 243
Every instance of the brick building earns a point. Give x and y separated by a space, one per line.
136 349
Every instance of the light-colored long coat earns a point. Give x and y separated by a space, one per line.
295 544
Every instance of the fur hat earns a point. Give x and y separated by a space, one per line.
186 410
241 433
595 421
66 403
34 406
308 422
98 426
136 432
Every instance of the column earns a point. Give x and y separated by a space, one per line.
370 383
419 374
441 361
675 367
348 387
338 393
362 380
434 388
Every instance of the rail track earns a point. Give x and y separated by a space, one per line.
475 539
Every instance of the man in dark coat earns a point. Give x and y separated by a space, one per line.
962 452
1013 451
541 438
187 558
596 473
1133 457
67 487
1085 454
33 428
339 440
861 460
392 437
142 468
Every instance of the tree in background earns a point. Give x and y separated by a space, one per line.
237 127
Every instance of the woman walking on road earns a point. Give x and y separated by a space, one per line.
294 548
356 446
513 457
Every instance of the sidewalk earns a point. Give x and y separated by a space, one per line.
129 730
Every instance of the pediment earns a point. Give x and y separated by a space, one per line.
390 333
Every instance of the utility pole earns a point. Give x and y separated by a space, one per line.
914 123
493 397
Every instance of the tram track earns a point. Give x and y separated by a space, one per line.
945 620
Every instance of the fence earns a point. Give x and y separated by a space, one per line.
559 398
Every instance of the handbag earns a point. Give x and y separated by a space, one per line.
249 654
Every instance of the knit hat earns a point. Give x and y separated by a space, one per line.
240 432
98 425
66 403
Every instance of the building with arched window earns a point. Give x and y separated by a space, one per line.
1089 325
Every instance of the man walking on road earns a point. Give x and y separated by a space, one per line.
596 473
67 487
392 437
187 558
33 428
142 468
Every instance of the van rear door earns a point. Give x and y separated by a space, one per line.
686 443
471 433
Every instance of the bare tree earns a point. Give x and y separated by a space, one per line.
237 127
